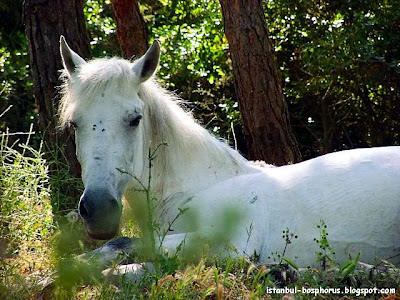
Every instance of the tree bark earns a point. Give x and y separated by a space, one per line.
263 109
45 21
131 30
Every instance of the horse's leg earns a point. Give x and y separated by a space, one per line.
171 245
121 248
125 248
102 257
188 245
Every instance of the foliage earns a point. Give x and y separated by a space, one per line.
15 78
340 64
101 27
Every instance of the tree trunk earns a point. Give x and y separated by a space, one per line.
131 30
263 109
45 21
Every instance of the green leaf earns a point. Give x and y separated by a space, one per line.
290 263
348 267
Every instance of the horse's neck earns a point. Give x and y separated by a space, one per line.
195 170
193 159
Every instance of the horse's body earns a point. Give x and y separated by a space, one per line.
119 113
354 192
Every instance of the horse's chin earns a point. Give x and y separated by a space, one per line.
102 235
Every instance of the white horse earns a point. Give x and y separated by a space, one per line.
119 112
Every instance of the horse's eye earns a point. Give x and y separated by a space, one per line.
73 125
135 122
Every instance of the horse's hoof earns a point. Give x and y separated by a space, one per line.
132 272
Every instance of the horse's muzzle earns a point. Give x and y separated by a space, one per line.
101 212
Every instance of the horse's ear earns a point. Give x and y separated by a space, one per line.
147 65
70 59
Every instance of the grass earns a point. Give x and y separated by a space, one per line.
26 218
39 235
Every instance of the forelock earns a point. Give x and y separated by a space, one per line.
92 79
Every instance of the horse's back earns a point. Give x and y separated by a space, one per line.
357 194
335 171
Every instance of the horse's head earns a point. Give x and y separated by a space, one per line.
102 103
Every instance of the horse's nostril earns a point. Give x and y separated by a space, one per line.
83 211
